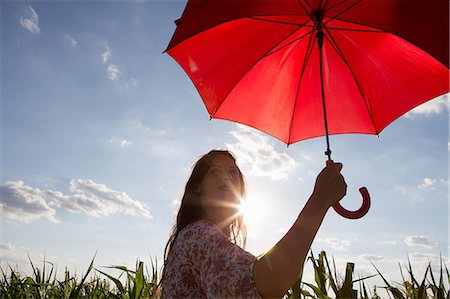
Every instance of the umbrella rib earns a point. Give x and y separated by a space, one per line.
290 43
336 47
280 22
305 62
310 7
326 3
344 11
380 30
336 5
245 73
356 30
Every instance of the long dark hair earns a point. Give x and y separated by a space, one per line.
191 209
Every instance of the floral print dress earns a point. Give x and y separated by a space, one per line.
203 263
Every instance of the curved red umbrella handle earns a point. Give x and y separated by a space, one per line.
358 213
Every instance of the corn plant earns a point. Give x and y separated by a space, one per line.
140 284
326 281
410 288
137 285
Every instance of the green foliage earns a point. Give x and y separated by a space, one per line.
143 284
43 284
411 289
329 285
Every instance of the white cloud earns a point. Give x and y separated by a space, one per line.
22 203
98 200
429 258
426 183
132 83
113 71
7 247
420 241
106 54
31 21
148 140
371 257
337 244
391 242
434 106
121 142
416 193
423 256
253 149
72 41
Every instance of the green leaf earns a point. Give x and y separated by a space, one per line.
317 291
394 291
77 290
346 291
115 280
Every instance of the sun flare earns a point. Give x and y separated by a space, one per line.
253 210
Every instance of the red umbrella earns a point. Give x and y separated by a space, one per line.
299 69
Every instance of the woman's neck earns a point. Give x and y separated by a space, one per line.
221 218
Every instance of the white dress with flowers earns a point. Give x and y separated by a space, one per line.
203 263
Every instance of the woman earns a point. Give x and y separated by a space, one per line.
202 256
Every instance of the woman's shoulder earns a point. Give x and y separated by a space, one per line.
202 233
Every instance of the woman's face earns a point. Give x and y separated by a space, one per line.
221 185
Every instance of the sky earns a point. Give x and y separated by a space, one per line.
100 128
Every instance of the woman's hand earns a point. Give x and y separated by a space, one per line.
330 185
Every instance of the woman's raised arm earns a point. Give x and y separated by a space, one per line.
278 269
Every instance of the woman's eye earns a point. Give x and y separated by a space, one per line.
215 170
234 173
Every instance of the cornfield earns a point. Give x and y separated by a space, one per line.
140 284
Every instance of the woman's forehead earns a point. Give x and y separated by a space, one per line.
223 160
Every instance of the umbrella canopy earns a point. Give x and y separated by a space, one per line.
299 69
257 62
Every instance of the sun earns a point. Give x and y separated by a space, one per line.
254 210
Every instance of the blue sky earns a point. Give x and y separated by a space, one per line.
100 129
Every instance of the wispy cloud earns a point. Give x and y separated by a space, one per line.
387 242
254 150
113 71
133 134
71 41
426 183
133 82
337 244
7 247
420 191
30 21
371 257
106 54
22 203
121 142
435 106
13 255
421 241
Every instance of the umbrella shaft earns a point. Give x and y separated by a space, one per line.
320 36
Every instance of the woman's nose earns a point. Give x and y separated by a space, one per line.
226 177
230 177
